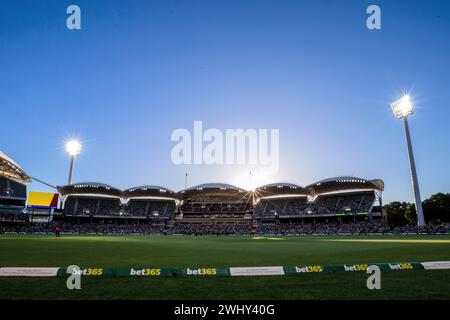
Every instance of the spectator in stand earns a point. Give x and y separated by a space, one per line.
334 228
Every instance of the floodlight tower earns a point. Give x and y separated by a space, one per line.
402 109
73 148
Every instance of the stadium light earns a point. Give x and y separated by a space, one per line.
73 148
402 109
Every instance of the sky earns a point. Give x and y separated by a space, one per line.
138 70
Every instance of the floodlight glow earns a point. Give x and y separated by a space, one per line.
73 147
403 107
250 182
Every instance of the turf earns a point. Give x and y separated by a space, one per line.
185 251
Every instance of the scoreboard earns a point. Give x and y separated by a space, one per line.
42 200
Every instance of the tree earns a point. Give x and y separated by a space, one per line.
398 213
411 214
437 208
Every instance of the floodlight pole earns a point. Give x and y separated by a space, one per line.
72 159
412 167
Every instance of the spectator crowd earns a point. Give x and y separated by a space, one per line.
365 227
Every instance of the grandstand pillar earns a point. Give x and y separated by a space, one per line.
380 202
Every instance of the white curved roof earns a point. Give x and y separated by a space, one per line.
344 183
280 184
342 179
146 187
214 186
10 169
91 184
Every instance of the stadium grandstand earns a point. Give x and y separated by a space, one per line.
341 199
152 202
209 208
91 200
215 202
98 202
13 190
281 199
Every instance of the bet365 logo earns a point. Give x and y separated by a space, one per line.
201 272
308 269
145 272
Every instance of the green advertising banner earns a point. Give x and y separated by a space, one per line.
155 272
352 267
94 272
148 272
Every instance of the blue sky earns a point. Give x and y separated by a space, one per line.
137 70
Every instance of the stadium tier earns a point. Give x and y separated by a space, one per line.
99 201
334 197
215 200
282 207
216 206
153 202
337 197
322 228
13 190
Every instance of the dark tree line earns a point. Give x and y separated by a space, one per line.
436 210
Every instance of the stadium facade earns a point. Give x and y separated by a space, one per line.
13 190
334 199
98 201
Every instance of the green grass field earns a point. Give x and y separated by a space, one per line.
185 251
